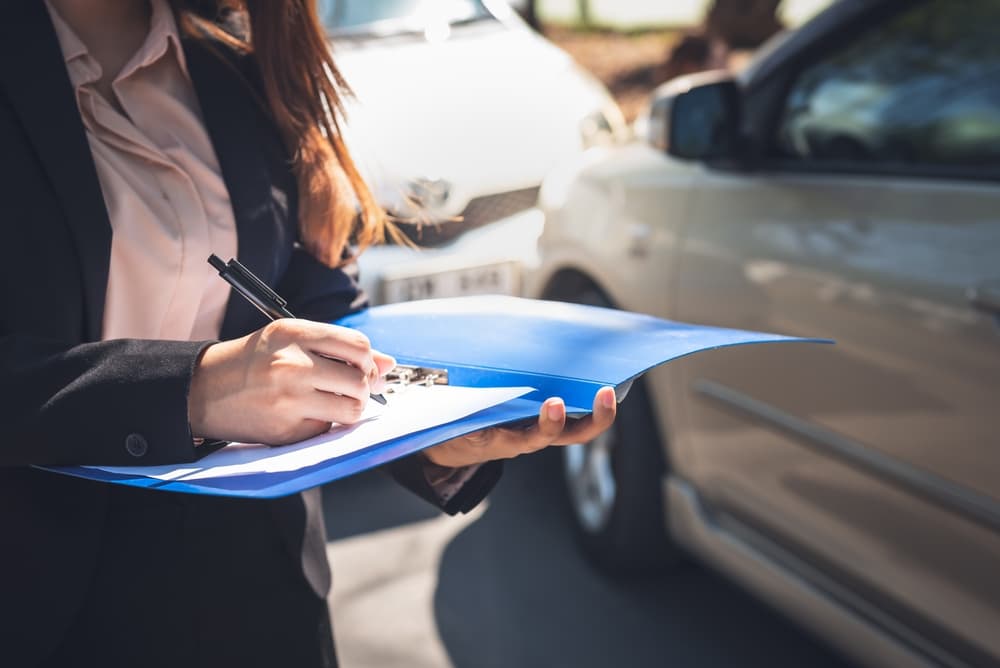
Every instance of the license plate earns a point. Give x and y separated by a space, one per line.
499 278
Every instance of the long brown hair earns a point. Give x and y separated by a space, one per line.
304 90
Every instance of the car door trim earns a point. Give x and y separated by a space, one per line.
931 487
861 621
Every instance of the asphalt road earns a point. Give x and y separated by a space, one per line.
505 586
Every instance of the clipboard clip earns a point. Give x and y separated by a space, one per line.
404 375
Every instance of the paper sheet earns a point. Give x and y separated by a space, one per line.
414 409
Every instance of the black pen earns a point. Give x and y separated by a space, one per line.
258 293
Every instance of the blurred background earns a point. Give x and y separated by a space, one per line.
817 168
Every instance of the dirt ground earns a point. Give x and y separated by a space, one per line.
629 64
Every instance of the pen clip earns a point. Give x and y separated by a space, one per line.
236 267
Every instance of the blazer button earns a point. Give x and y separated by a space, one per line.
136 445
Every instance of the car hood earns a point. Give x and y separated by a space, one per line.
491 109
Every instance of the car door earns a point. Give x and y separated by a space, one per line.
874 220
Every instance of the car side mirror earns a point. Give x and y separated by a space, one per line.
696 117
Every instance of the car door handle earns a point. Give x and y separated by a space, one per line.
986 297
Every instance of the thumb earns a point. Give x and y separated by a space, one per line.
385 363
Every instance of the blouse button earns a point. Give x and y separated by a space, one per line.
136 445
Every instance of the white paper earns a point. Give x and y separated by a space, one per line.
414 409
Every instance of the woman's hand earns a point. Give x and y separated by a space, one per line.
279 386
551 429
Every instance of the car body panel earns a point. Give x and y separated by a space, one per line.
882 266
464 110
615 217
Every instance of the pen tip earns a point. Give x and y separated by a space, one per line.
379 398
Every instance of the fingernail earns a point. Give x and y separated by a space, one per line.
554 410
608 399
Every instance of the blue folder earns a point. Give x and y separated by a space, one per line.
560 349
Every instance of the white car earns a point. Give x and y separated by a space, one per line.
463 108
845 186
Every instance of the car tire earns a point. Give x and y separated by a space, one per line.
613 485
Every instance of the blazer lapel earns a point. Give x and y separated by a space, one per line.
34 74
230 114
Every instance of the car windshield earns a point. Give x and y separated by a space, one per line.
393 16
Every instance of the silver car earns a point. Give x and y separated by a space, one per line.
845 185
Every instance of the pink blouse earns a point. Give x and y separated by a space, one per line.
168 205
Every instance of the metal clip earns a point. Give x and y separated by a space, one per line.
404 375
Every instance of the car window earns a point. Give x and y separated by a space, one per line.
922 89
395 15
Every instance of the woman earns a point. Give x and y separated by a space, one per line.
137 137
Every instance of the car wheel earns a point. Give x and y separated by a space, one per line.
614 486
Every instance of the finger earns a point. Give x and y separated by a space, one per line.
549 429
303 430
330 407
512 442
341 343
585 429
551 419
384 364
336 377
605 408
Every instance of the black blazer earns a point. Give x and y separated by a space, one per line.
68 398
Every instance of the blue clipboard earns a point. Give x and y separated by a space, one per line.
560 349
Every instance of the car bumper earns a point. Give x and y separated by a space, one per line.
488 260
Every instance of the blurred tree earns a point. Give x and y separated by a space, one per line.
692 53
728 25
583 12
742 24
530 14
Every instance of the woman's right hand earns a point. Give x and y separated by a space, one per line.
278 385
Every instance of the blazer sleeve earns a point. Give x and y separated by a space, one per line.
410 473
121 402
124 402
318 292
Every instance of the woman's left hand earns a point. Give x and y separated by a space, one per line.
551 429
